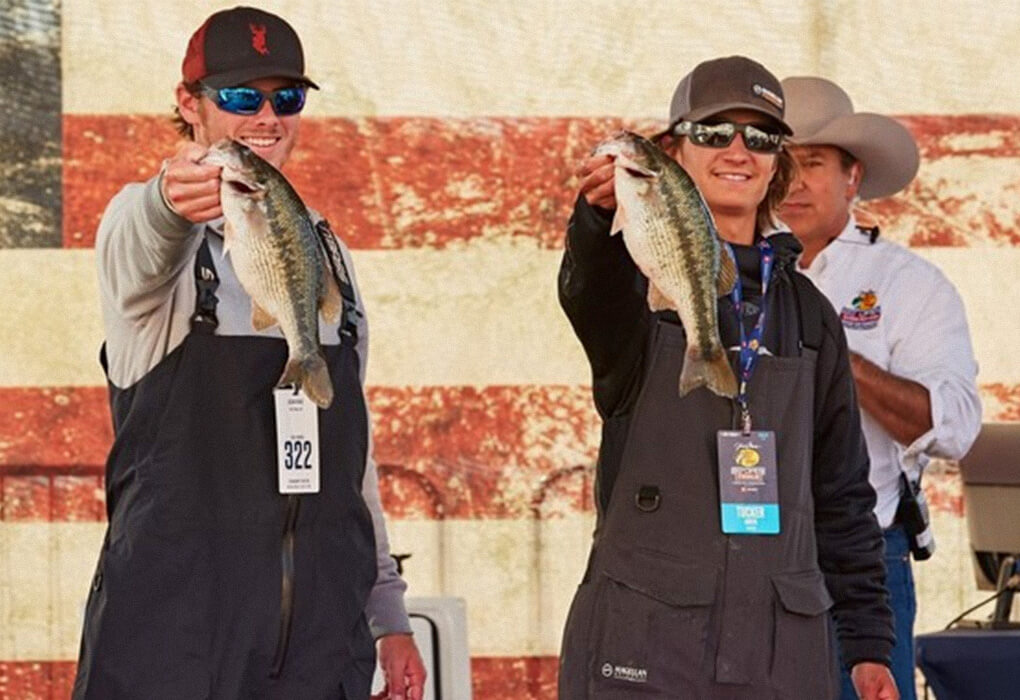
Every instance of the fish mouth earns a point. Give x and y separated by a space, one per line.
633 169
243 187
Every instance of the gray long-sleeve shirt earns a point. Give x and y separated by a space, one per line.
144 254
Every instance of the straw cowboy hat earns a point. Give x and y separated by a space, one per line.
822 114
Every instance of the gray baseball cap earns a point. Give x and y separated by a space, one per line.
733 82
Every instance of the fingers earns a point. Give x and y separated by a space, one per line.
597 183
397 684
416 681
192 189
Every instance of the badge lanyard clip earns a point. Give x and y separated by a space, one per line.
751 345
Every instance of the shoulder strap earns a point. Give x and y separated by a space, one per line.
809 310
204 319
335 260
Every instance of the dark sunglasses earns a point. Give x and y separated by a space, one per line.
721 135
248 100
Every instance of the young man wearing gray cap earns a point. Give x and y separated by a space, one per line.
677 601
216 580
910 349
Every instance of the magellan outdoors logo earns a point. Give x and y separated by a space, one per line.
625 673
863 313
258 38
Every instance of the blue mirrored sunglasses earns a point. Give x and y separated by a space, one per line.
248 100
721 135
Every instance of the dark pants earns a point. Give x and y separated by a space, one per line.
903 601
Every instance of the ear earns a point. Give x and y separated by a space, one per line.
853 184
188 106
673 147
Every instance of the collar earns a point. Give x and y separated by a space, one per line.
784 244
851 234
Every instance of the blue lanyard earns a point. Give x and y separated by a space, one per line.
750 346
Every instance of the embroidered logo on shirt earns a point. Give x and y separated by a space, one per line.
863 313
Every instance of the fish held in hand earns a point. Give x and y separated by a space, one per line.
279 261
669 232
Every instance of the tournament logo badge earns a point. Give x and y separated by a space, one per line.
863 313
748 457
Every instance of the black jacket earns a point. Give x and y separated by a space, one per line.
604 296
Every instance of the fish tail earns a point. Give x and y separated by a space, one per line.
713 372
312 375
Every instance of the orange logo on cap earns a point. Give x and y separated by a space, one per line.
258 38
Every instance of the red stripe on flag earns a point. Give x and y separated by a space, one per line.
60 427
519 678
492 678
410 182
443 452
454 452
36 680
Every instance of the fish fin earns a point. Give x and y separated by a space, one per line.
260 318
713 372
619 221
330 301
228 236
727 269
312 375
657 301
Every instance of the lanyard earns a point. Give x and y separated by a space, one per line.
750 346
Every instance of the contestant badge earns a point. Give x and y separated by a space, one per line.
748 489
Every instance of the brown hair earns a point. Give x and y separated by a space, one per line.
184 128
779 187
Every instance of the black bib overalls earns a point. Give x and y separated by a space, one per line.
673 608
187 598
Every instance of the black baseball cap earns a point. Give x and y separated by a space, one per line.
733 82
242 44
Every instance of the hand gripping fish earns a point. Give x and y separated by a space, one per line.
669 232
279 261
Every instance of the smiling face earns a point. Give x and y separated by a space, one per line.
733 180
271 136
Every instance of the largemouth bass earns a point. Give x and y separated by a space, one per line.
279 261
669 232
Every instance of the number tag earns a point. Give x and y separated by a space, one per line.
297 442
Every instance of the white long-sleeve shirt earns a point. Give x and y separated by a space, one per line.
145 254
900 312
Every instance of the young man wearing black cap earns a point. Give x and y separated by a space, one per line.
905 324
678 601
211 583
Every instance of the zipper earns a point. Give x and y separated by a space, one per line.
286 585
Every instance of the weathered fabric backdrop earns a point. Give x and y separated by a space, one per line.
441 147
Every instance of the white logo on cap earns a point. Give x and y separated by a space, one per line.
768 95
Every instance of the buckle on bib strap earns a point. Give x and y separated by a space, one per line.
647 498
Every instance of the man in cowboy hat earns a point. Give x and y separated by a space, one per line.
911 355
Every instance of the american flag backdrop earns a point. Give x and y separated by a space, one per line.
441 148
